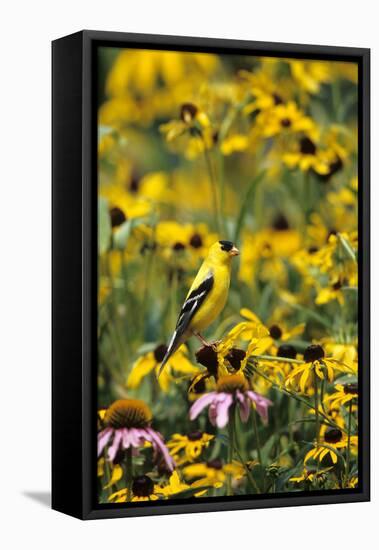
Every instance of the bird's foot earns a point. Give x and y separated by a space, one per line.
213 345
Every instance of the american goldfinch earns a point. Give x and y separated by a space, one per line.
206 297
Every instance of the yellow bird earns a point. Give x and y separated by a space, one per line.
206 297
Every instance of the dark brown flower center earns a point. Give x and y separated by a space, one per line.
178 246
275 332
333 435
334 167
195 436
127 413
143 486
286 122
351 388
280 223
188 111
286 350
231 383
216 464
159 352
235 357
118 217
337 285
199 386
277 99
134 183
207 356
314 352
196 241
307 147
312 250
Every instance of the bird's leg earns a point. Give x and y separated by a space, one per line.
204 342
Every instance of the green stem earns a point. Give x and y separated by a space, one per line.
221 178
280 359
229 489
348 444
174 293
317 412
212 180
258 444
293 395
347 248
248 473
108 475
147 284
129 474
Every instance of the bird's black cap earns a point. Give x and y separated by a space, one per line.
226 245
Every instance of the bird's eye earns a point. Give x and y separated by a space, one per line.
226 245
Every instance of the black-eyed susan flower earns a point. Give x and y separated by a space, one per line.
344 394
334 291
315 363
174 486
179 364
188 448
286 118
276 332
127 424
264 92
311 474
306 155
213 473
231 390
191 132
332 440
310 75
344 353
143 488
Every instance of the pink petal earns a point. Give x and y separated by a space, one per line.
126 439
244 406
115 445
223 409
102 439
200 404
135 437
157 441
261 404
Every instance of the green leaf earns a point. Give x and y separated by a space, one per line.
311 314
246 202
121 236
267 447
105 229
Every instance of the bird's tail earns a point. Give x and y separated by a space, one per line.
172 347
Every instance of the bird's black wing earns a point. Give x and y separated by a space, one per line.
189 308
193 303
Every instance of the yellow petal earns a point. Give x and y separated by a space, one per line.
304 379
116 476
309 455
141 368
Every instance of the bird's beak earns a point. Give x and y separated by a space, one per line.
234 251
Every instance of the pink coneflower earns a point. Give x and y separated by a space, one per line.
231 390
127 424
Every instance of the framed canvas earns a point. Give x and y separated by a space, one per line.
210 275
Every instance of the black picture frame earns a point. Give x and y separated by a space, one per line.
74 272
